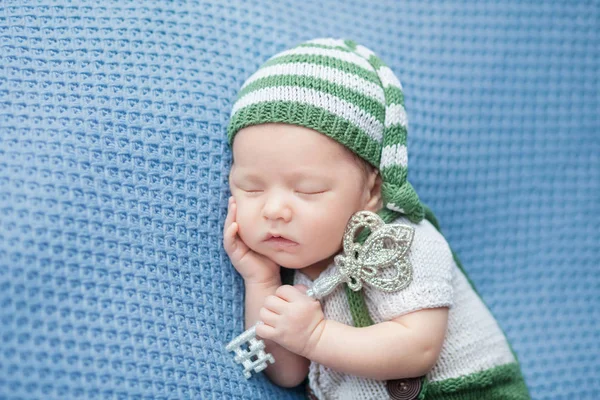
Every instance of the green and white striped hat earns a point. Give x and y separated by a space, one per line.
343 90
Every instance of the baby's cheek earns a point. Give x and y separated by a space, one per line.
244 220
326 234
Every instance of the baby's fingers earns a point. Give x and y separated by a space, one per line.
230 214
230 236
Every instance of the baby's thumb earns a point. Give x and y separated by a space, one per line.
301 288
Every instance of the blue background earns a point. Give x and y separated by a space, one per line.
113 180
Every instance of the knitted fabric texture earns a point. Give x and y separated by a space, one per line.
343 90
114 163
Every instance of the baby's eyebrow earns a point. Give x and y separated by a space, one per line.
305 174
294 176
248 176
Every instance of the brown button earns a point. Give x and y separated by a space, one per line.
404 389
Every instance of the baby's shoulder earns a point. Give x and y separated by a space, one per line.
424 231
428 244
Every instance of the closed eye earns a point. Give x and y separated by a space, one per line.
312 193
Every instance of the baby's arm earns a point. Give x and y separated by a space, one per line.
261 278
289 369
405 347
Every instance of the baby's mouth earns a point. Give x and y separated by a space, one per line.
279 241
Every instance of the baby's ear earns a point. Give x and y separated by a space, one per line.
374 182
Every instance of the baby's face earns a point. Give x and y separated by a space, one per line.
296 183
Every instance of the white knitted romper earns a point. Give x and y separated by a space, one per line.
474 341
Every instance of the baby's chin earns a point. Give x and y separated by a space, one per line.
287 261
291 261
283 259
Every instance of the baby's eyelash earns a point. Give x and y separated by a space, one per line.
296 191
312 193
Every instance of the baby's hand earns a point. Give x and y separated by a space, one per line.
254 267
292 319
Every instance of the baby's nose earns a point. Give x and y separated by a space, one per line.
276 208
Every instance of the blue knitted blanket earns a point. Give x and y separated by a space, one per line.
113 180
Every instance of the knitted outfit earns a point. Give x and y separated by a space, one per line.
343 90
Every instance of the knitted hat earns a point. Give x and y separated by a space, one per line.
343 90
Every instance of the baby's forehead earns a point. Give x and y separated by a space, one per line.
292 139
